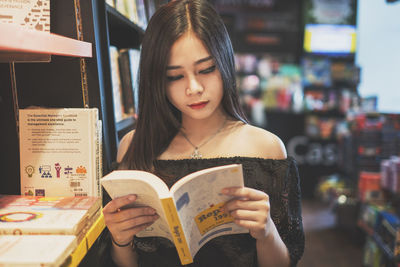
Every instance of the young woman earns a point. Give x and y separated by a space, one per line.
190 119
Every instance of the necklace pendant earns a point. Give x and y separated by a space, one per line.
196 154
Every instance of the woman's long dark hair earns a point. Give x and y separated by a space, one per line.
158 120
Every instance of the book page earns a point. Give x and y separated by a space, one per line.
149 190
199 203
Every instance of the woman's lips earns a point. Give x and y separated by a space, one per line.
198 105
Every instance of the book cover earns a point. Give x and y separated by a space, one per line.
126 81
50 250
150 9
99 158
141 13
190 212
116 84
20 215
132 11
28 14
35 250
58 152
134 59
122 7
111 3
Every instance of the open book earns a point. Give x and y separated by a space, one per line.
190 212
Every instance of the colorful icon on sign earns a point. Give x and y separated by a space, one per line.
68 171
81 169
29 170
58 169
45 170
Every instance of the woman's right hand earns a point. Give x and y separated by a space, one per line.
125 223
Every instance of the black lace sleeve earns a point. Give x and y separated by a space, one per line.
294 238
280 180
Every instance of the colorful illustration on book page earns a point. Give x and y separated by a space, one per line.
212 217
199 203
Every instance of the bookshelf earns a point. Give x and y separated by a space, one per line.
122 31
59 83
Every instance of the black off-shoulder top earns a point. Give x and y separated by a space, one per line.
278 178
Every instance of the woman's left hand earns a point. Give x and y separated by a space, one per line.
250 208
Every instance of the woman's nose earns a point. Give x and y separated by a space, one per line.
194 86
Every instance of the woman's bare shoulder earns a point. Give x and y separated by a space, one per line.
124 144
262 143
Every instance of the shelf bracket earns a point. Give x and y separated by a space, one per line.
15 95
82 62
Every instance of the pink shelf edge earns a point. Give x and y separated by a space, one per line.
16 39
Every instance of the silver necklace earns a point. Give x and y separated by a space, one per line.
196 153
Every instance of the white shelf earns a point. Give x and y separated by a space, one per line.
17 40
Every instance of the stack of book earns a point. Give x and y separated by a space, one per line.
47 231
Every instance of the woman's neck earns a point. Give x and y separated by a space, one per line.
198 130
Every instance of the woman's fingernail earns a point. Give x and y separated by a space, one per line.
132 197
151 211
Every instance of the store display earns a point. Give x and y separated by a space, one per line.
388 232
332 187
390 172
345 73
372 253
272 80
330 39
369 186
316 71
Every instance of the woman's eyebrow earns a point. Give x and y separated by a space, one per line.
196 63
203 60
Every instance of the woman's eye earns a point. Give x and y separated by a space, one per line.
174 78
208 70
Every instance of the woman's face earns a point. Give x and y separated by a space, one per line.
194 84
